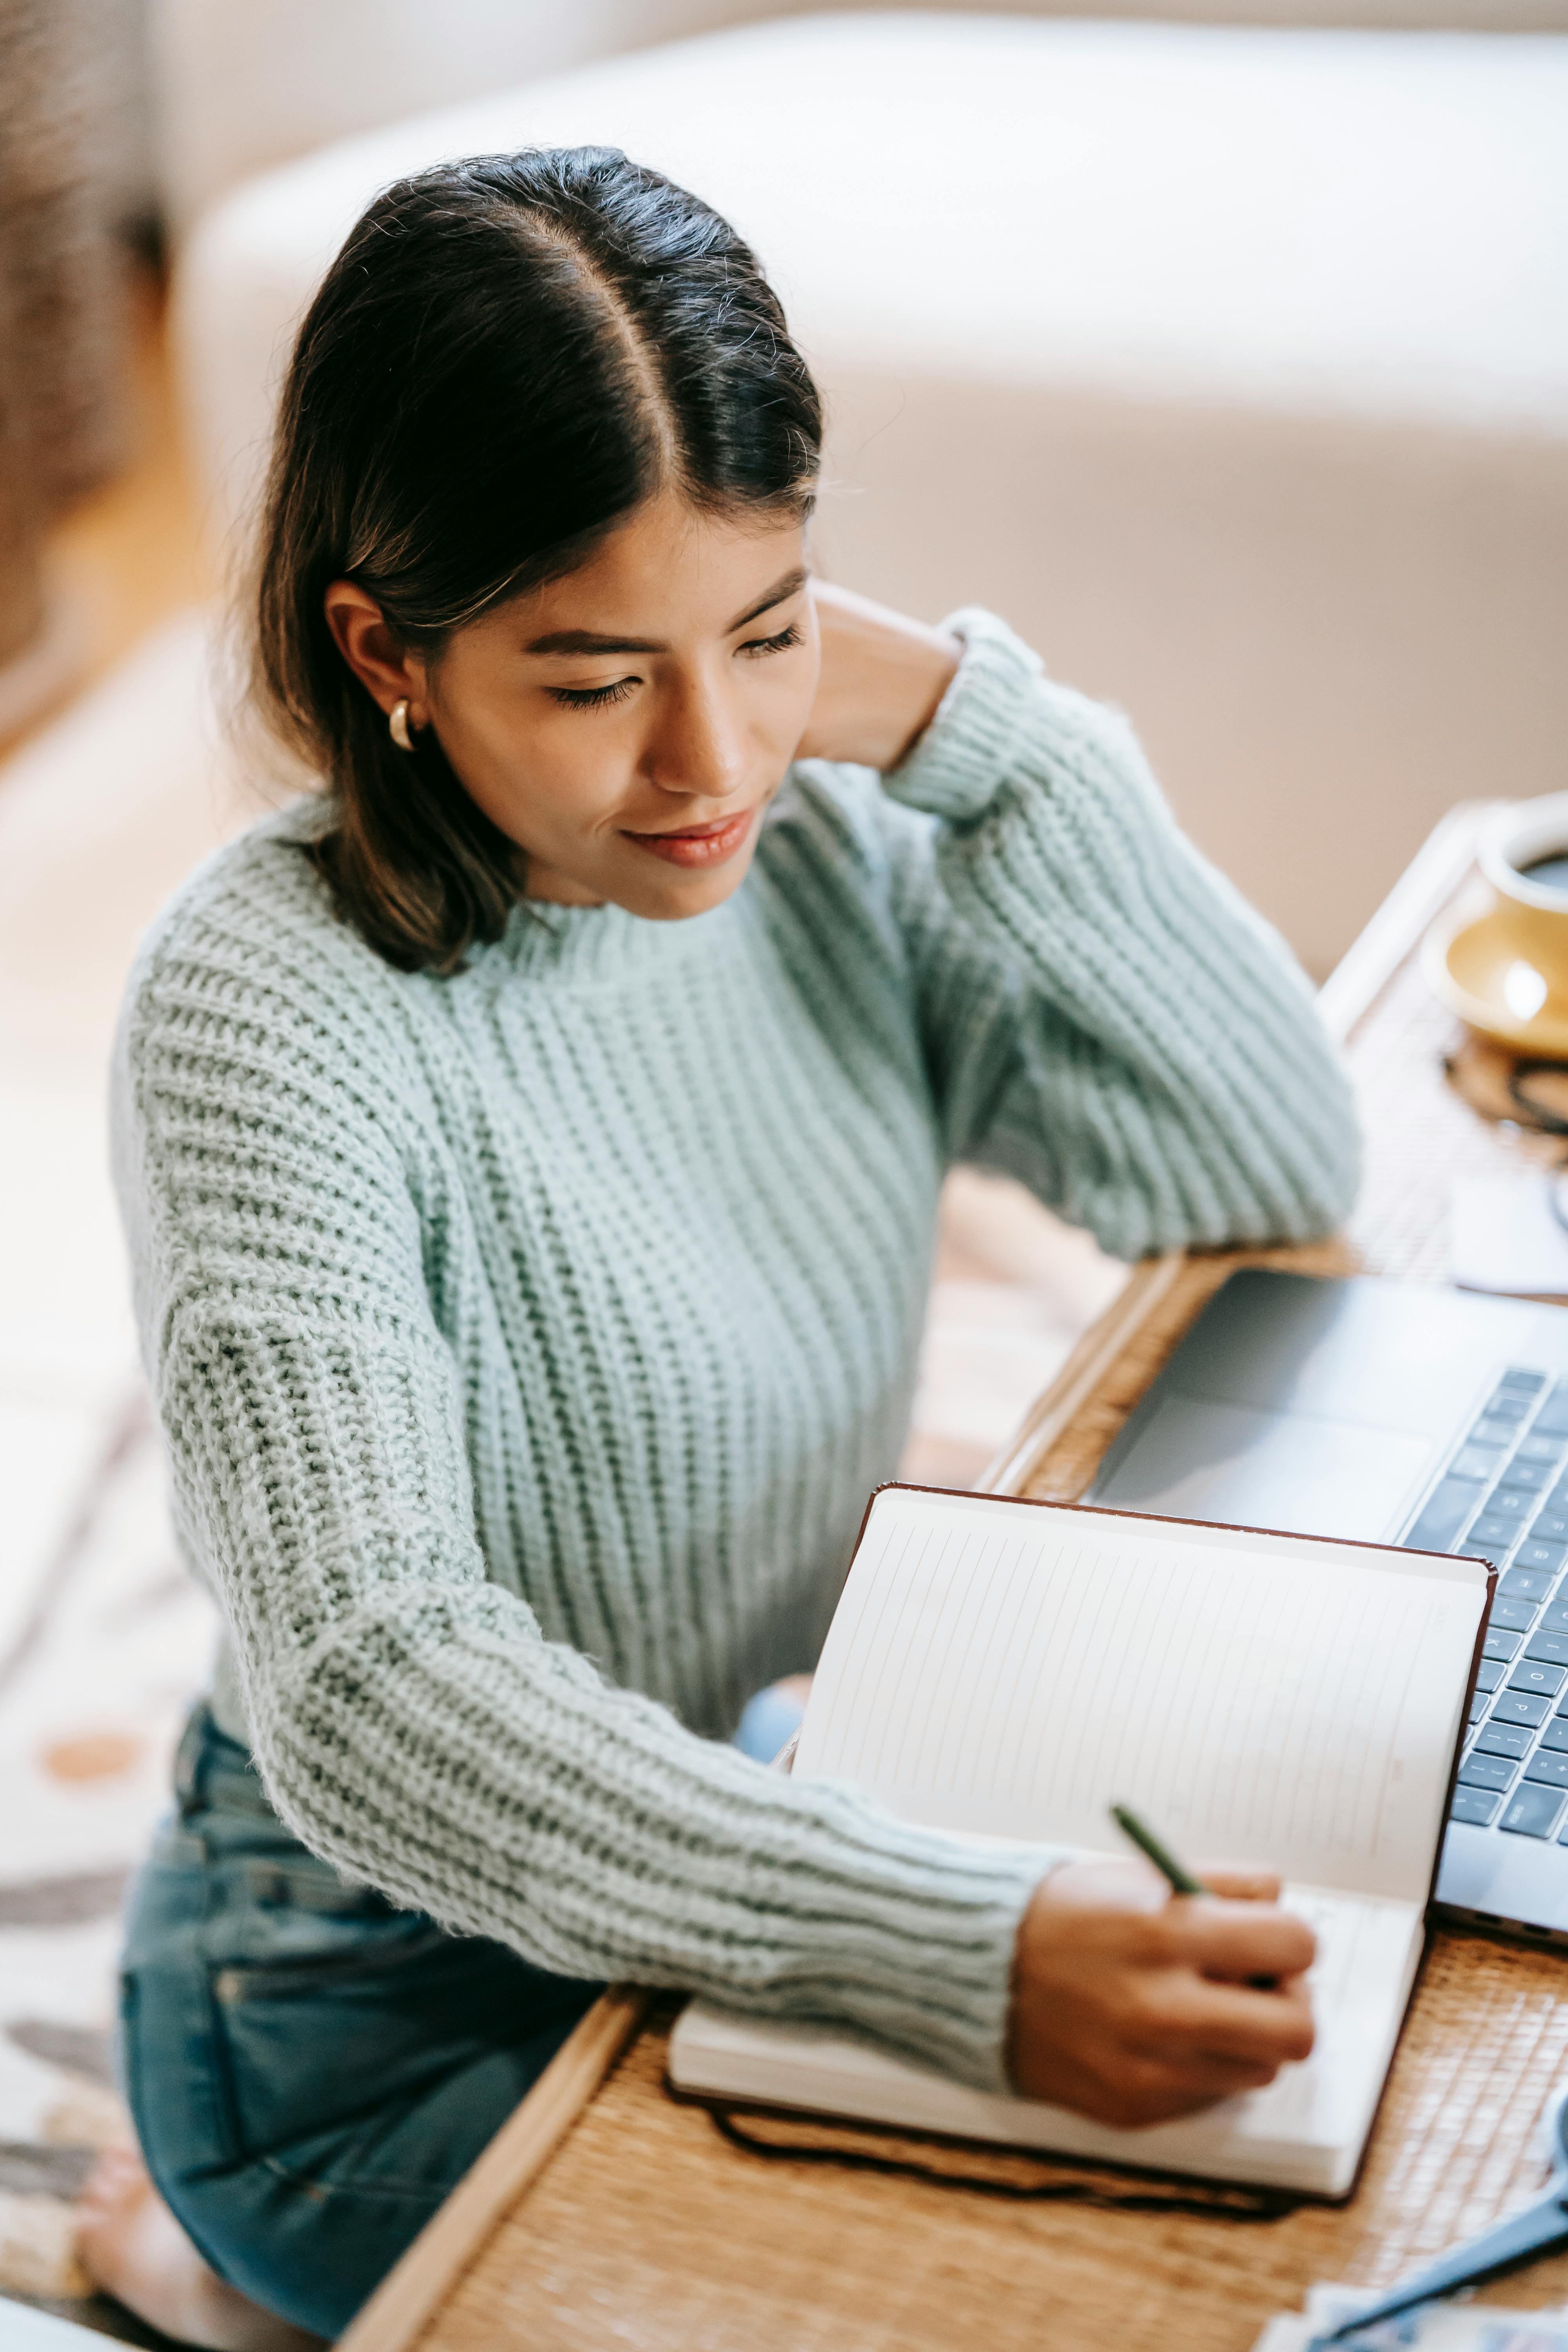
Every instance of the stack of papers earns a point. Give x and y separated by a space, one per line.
1431 2328
1504 1234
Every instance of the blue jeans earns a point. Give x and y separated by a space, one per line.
309 2070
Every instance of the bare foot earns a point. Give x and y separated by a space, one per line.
131 2245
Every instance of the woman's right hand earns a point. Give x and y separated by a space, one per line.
1132 2006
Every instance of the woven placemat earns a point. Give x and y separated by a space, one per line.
651 2229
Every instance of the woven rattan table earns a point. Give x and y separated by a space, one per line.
607 2215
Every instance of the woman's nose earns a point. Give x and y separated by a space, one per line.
698 750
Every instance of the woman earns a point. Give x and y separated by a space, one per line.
530 1150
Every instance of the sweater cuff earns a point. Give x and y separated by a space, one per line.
965 752
939 1991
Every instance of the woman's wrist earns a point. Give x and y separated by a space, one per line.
883 677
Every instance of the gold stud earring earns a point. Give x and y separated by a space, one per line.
397 726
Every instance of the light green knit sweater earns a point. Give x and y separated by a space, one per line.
527 1342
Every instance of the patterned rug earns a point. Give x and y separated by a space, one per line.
94 1682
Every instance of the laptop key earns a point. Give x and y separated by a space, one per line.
1512 1740
1510 1503
1445 1514
1480 1702
1548 1557
1503 1645
1551 1649
1554 1619
1521 1377
1506 1405
1476 1462
1549 1527
1519 1706
1499 1772
1525 1583
1478 1806
1553 1414
1534 1476
1491 1430
1490 1673
1554 1736
1517 1615
1547 1680
1544 1766
1540 1445
1531 1811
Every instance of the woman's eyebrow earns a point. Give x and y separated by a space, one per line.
590 640
788 586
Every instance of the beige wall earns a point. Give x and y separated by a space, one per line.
1326 632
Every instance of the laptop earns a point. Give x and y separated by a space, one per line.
1392 1412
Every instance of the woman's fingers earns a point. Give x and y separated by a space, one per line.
1237 1940
1187 2018
1196 2042
1151 2090
1242 1885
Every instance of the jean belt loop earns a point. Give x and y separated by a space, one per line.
191 1761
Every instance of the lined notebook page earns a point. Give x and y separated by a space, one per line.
1012 1670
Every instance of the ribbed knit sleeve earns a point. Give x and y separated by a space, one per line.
1109 1021
412 1722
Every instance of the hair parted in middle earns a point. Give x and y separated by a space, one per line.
508 355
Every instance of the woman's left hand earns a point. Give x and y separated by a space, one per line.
882 677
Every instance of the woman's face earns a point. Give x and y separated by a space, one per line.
627 725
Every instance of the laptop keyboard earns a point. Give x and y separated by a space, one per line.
1504 1496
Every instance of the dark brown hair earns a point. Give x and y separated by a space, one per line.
508 356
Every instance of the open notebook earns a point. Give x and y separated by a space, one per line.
1010 1669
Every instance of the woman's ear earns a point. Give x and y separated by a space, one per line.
387 672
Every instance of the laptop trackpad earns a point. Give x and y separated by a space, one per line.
1194 1460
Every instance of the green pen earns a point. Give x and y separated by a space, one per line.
1181 1881
1176 1874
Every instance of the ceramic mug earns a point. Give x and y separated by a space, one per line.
1523 853
1500 957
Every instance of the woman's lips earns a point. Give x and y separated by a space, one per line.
700 845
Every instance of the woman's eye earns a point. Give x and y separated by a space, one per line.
780 644
592 697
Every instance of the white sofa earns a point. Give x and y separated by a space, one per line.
1231 364
242 88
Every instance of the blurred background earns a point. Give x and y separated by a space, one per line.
1223 347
